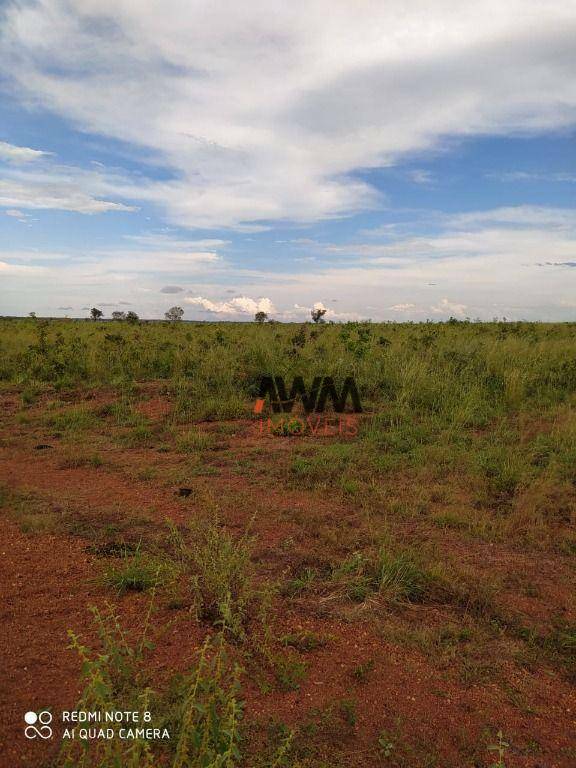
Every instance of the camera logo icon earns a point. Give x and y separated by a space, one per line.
38 725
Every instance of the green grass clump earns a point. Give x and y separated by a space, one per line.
194 440
300 583
325 464
394 575
76 419
400 576
136 572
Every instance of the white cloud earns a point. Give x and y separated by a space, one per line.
419 176
19 269
14 213
265 112
528 233
162 241
33 255
446 307
50 185
533 177
63 196
15 154
240 305
486 269
304 313
521 215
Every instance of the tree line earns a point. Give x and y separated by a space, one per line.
175 314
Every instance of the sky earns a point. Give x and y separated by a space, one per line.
398 160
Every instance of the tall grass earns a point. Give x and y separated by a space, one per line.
463 373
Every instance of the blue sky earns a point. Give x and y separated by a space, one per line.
399 161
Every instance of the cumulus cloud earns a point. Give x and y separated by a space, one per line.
304 312
446 307
402 307
347 85
240 305
171 289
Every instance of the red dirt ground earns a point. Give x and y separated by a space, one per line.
48 580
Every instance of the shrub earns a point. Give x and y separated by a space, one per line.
220 575
202 710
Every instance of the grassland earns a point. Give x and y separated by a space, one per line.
396 597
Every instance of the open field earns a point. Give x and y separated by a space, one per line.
397 595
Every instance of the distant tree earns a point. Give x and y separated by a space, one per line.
260 317
96 314
318 315
132 317
32 315
174 314
118 315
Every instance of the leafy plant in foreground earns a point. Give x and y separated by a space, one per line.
203 719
